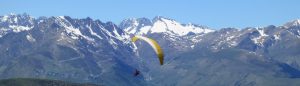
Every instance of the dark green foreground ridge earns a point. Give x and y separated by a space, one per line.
38 82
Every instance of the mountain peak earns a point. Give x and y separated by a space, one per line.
133 25
160 24
16 18
161 18
293 23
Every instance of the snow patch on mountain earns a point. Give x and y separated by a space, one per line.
298 31
72 31
276 36
117 35
145 29
261 38
231 41
4 18
30 38
133 30
158 27
17 29
92 32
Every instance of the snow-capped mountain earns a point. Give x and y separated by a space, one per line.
220 39
160 24
167 30
64 48
192 46
87 50
15 23
293 23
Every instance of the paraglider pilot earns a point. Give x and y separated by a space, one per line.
136 72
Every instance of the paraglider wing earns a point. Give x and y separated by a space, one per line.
154 45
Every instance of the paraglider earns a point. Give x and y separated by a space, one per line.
154 45
136 72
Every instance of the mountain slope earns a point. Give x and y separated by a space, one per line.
229 56
79 50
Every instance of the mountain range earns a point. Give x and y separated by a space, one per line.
92 51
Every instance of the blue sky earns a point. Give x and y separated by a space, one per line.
212 13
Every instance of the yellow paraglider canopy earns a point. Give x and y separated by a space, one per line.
154 45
